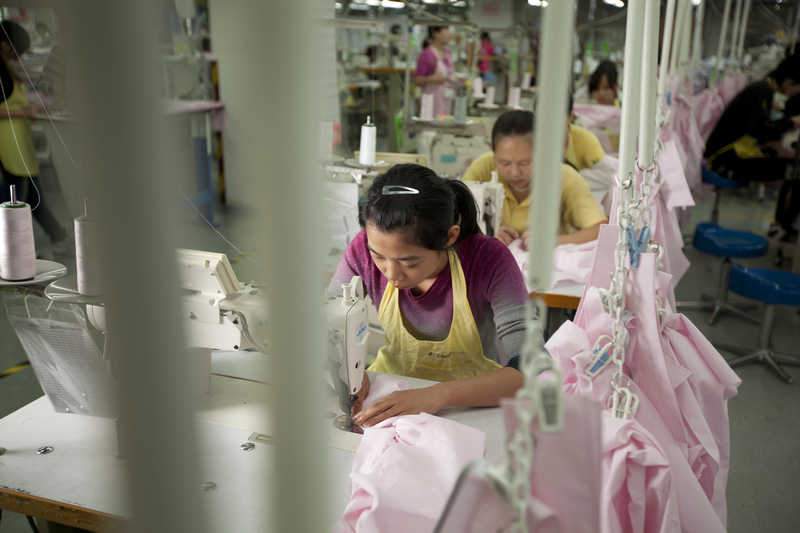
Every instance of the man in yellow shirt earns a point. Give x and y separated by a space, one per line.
512 158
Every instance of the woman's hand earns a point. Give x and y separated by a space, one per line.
362 395
437 78
507 235
524 243
406 402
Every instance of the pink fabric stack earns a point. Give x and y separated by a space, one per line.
602 120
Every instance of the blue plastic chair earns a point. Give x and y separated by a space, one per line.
773 288
726 244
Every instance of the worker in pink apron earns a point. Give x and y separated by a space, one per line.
435 69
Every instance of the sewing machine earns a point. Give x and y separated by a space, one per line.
348 333
221 312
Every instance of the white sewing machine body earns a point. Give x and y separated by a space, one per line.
221 312
348 334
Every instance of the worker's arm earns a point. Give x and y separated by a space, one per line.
480 391
433 78
27 111
581 236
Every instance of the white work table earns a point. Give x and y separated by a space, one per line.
81 482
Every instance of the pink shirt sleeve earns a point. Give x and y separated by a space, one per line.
426 63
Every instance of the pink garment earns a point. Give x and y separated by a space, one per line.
566 471
476 507
571 262
730 85
488 50
603 121
709 106
688 141
687 427
404 470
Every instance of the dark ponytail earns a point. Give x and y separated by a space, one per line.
432 30
426 215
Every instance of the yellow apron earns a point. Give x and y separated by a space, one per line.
458 356
15 155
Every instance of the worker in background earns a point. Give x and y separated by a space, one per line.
484 65
583 149
512 157
603 87
435 69
745 144
450 300
18 162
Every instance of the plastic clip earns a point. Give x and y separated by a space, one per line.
637 245
601 356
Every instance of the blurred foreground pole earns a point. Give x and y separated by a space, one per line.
131 186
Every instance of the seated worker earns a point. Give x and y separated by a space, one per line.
451 300
746 142
603 87
512 158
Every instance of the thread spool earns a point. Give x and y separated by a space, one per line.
426 107
87 245
477 87
514 94
526 80
366 154
17 249
490 96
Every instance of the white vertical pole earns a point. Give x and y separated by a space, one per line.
737 18
135 177
726 14
647 116
555 65
795 30
697 48
666 48
631 90
680 21
743 32
687 35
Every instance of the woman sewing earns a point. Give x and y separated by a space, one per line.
450 299
512 144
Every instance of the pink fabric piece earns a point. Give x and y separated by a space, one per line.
404 470
709 106
571 262
566 470
730 85
674 188
603 121
688 140
476 507
382 385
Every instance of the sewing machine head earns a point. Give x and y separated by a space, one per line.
347 346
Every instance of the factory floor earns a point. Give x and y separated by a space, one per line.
764 416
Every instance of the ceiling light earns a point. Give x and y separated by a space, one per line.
537 3
615 3
391 4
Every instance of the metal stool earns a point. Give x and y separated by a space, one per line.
726 244
772 287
